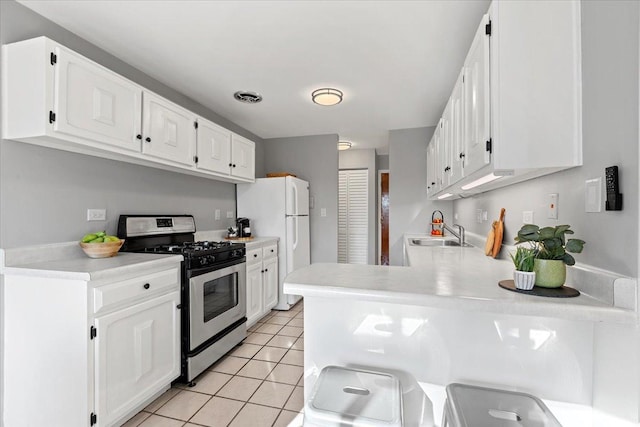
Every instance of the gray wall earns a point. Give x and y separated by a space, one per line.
314 159
383 161
44 194
610 72
365 159
409 209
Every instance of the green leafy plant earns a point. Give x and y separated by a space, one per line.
550 242
523 259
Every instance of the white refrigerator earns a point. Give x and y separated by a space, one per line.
280 207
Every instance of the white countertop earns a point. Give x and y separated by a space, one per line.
67 261
449 278
260 241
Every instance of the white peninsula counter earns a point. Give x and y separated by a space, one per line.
444 320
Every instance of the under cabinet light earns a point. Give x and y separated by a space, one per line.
484 180
444 196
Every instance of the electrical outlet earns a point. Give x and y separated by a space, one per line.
96 214
229 214
479 216
323 211
552 205
527 217
217 214
485 216
456 216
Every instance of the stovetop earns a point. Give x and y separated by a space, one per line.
194 248
174 234
202 254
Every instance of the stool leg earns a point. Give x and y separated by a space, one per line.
445 411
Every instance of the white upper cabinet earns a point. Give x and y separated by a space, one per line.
515 112
93 103
456 128
54 97
476 102
169 131
224 152
214 147
242 157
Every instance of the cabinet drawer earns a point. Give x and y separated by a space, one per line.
134 289
270 251
254 255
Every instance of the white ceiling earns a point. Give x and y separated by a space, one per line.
395 61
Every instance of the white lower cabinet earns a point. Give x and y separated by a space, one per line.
137 351
262 280
89 353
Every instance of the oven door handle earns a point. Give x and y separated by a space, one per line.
194 272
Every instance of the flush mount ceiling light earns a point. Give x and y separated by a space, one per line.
344 145
327 96
247 97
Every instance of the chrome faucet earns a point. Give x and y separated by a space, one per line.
459 234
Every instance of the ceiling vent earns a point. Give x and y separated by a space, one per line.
247 97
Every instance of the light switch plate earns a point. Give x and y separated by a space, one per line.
323 211
217 214
527 217
593 195
552 206
479 216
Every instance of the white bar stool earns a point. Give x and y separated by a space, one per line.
473 406
344 397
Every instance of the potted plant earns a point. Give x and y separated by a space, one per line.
551 248
524 277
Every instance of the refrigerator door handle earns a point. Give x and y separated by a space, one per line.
294 187
295 234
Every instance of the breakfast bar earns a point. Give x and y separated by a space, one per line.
444 319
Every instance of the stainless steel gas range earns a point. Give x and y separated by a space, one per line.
213 285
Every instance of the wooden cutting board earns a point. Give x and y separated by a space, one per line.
494 238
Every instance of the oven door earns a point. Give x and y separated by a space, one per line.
217 299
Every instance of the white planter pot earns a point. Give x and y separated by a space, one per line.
524 280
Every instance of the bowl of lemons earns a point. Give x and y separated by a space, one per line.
100 245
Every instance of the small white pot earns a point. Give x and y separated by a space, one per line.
524 280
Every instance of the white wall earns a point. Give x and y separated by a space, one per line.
409 209
314 159
610 137
365 159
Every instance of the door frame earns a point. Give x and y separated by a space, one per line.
378 216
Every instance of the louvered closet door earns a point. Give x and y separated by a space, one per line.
353 201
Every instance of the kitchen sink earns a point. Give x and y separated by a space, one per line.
435 242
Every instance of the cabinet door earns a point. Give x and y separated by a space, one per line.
137 353
438 156
93 103
457 153
169 131
476 102
213 147
242 157
254 292
431 167
446 145
270 283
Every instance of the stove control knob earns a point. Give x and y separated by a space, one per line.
211 259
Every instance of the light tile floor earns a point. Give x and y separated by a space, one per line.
257 384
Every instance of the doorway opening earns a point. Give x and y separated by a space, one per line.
383 214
